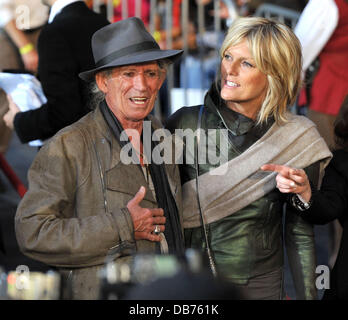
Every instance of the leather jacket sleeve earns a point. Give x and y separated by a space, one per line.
51 227
300 246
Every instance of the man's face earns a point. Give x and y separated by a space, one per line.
131 91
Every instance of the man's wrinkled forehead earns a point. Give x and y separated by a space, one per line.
144 67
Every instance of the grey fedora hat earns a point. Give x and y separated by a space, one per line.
123 43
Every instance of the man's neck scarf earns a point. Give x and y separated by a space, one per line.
164 197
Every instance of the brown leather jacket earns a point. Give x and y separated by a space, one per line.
67 219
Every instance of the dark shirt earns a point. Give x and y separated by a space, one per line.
331 203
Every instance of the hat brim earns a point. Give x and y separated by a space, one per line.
136 58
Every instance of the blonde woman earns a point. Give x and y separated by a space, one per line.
237 216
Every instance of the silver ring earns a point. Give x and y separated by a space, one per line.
157 230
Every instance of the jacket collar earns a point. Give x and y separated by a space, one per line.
107 135
58 6
107 142
110 147
235 122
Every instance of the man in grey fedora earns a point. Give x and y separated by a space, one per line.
84 206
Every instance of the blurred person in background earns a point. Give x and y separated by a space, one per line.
323 32
327 204
198 69
297 5
131 9
144 10
20 25
64 51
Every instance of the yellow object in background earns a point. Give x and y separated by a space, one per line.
27 48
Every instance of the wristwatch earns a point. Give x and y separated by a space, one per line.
299 203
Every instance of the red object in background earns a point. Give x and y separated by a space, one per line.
329 87
145 10
176 13
10 174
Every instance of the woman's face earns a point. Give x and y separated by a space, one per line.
243 85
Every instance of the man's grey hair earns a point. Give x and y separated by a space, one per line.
97 96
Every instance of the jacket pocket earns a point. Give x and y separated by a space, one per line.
127 179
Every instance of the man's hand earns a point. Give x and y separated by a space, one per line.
145 219
10 114
290 180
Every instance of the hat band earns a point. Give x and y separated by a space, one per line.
125 51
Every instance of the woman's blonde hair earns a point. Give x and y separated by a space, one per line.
277 53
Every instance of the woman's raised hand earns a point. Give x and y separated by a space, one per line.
291 180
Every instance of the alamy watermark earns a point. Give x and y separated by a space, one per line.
23 17
23 276
178 148
323 280
23 284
